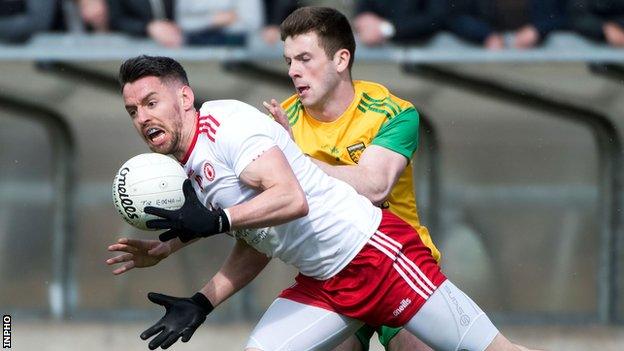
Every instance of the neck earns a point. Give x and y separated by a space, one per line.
336 102
187 134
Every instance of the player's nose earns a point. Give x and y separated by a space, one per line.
142 116
293 71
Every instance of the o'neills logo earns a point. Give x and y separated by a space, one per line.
124 198
402 307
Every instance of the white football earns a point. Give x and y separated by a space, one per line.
147 180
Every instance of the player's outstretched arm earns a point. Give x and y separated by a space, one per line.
242 265
185 314
139 253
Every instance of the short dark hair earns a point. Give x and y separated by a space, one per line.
331 26
157 66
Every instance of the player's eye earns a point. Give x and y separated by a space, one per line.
132 113
151 103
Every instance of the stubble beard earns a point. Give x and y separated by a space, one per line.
171 146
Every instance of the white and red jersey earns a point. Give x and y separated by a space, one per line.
229 136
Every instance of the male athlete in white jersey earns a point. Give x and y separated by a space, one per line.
358 264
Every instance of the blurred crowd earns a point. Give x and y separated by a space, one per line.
492 24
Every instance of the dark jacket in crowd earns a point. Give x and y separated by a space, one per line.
276 11
20 19
412 19
133 16
475 20
588 16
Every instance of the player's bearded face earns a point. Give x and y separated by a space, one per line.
311 70
155 114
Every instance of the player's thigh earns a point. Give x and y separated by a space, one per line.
290 325
450 320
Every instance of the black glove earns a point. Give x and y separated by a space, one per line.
192 220
182 317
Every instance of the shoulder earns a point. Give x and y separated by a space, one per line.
232 119
372 89
225 110
377 99
377 93
224 106
290 102
292 107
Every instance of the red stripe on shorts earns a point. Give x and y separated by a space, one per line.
385 284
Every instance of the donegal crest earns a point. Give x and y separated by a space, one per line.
355 151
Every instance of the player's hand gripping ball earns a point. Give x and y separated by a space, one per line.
147 180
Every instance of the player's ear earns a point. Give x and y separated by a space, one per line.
188 97
341 60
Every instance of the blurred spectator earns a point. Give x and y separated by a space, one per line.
598 20
378 21
484 21
194 22
474 20
218 22
275 11
20 19
94 14
146 18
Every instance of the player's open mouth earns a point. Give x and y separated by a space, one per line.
302 89
154 135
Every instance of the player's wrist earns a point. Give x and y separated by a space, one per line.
218 222
202 301
175 245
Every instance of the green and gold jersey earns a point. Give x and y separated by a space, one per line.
375 117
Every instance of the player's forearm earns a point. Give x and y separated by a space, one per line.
240 268
277 205
366 183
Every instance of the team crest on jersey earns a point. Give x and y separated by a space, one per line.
355 151
209 172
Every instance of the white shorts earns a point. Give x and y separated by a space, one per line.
449 320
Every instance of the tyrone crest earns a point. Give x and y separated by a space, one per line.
355 151
209 172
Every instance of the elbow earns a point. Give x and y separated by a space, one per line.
300 205
378 198
378 195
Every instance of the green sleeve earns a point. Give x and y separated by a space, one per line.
400 134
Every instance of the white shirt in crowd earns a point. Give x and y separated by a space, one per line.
196 15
